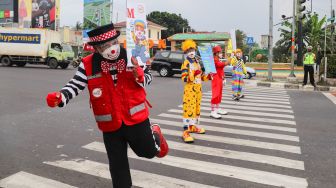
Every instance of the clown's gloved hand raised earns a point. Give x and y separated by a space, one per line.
54 99
138 72
197 72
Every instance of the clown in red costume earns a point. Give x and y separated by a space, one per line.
118 100
217 84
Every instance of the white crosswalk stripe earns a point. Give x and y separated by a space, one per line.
253 97
234 131
234 123
240 107
223 170
257 100
257 119
251 112
256 142
139 178
27 180
230 102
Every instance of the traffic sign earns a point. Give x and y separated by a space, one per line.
249 41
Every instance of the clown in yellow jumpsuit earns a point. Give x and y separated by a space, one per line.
192 76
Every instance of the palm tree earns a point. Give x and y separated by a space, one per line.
313 33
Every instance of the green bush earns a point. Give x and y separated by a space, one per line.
331 66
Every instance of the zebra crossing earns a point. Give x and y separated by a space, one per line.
257 142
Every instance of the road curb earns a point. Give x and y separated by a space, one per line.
294 86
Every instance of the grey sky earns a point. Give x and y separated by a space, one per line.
251 16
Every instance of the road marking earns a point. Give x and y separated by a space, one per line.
240 142
255 100
139 178
234 131
251 108
242 103
251 97
246 174
255 89
250 112
234 123
330 97
258 119
27 180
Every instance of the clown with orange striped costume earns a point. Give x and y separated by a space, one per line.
192 76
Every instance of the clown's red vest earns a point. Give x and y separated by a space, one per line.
112 105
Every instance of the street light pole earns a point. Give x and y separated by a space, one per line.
292 74
270 41
325 52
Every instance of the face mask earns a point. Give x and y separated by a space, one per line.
112 53
191 54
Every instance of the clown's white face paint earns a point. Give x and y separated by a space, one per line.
191 53
111 53
220 55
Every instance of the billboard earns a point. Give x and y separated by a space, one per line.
25 10
137 33
20 38
8 11
44 14
96 13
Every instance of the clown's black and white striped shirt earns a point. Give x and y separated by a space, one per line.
79 82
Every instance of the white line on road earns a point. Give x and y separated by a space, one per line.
330 97
256 100
234 123
27 180
139 178
240 142
246 174
247 118
250 112
252 97
251 108
234 131
242 103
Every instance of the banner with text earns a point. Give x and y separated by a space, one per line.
137 33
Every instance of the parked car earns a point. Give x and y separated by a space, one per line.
250 71
168 63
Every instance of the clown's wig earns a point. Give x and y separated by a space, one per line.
187 44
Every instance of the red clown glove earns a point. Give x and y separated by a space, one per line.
54 99
197 72
137 70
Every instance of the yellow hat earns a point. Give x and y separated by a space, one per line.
238 51
187 44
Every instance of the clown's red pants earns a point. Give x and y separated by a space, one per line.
217 87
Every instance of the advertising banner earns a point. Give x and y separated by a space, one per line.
20 38
8 11
44 14
136 33
207 58
96 13
25 10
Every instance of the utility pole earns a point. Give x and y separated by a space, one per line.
270 41
292 74
325 52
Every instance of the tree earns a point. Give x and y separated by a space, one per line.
78 26
173 22
313 33
241 41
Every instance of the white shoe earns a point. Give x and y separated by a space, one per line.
213 114
222 112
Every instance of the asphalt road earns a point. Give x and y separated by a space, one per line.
272 138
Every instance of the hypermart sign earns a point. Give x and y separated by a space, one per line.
20 38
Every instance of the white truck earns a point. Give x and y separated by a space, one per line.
35 46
